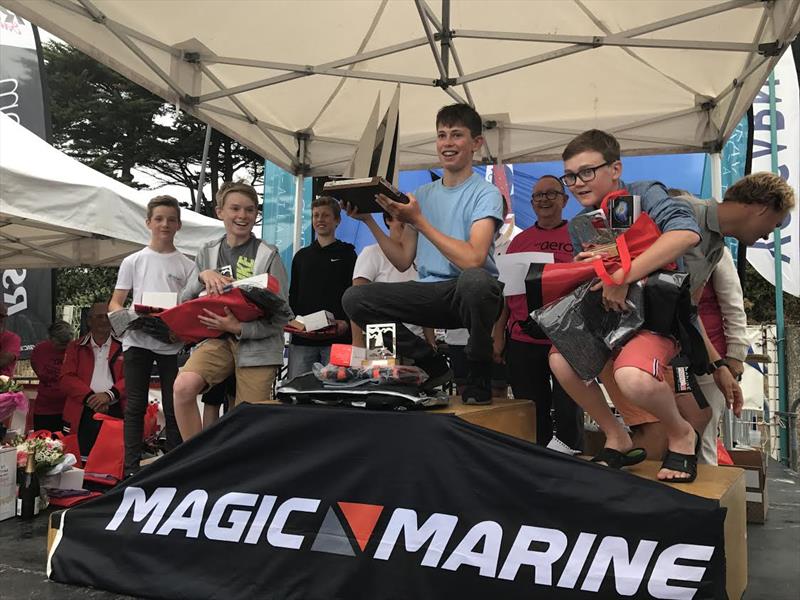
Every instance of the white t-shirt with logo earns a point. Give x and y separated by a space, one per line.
373 265
151 271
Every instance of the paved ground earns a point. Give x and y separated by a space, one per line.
773 552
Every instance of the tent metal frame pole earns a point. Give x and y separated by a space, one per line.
98 16
364 41
202 179
249 115
777 237
602 27
39 249
263 127
244 118
573 132
308 70
298 213
741 79
431 42
95 15
716 175
613 130
630 33
607 40
298 194
460 71
444 44
342 62
520 64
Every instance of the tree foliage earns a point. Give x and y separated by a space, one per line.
759 301
82 286
117 127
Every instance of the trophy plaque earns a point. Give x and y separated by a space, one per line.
361 192
381 345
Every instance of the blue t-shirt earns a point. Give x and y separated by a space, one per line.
453 210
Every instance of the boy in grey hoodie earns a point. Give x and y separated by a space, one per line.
253 351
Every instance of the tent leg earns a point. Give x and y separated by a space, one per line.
298 213
202 180
780 328
716 176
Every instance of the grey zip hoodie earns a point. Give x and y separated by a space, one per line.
261 342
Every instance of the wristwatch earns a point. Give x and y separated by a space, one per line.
718 364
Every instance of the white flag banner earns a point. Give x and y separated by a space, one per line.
787 100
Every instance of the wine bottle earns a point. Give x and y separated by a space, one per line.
28 500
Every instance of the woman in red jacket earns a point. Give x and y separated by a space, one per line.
92 379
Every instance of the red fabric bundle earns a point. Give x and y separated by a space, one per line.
183 322
546 283
107 458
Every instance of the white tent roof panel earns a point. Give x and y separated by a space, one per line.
659 74
56 211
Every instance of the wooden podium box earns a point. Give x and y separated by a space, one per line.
726 485
512 417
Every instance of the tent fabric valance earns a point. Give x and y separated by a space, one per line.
296 80
58 212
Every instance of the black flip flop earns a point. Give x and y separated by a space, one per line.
616 459
683 463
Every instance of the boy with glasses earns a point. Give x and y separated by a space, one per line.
693 230
592 169
527 357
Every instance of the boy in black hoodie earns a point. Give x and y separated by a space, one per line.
321 272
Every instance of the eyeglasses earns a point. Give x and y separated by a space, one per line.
585 175
549 194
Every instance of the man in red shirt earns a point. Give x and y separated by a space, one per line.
46 360
527 357
92 379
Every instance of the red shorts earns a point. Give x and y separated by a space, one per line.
648 352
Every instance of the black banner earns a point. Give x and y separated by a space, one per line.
320 503
28 293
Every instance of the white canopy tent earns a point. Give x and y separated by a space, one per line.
58 212
296 80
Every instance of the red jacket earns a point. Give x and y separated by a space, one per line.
76 375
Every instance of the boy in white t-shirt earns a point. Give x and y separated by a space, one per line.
157 268
373 266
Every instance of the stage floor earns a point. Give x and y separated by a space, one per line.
773 552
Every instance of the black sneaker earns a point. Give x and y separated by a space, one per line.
438 370
479 383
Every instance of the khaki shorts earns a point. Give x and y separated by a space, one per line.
215 360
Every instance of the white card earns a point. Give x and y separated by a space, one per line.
159 299
514 267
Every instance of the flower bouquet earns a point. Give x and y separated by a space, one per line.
47 452
11 397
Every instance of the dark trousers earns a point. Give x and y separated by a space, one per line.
473 300
89 429
530 378
48 422
138 366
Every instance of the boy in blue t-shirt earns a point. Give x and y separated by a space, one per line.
451 241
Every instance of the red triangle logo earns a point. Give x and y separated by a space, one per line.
362 519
